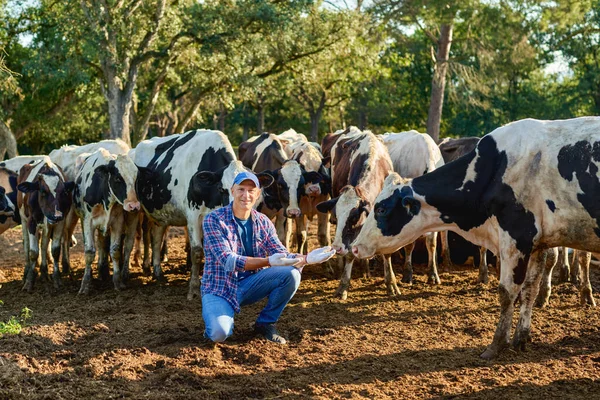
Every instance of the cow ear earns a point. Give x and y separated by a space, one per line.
326 206
102 169
313 177
28 187
146 172
265 179
272 202
69 186
412 205
207 177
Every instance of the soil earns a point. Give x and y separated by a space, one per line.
146 341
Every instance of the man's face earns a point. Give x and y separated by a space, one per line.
245 194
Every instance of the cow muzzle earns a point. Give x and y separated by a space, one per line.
361 252
313 190
130 206
341 250
293 212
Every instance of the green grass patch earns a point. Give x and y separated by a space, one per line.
15 324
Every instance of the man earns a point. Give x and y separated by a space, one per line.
246 262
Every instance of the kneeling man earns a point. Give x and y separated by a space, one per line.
245 262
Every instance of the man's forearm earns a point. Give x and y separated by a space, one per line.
254 263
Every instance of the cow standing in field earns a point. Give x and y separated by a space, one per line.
44 199
359 165
66 157
414 154
104 193
184 177
527 187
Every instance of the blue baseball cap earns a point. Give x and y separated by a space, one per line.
243 176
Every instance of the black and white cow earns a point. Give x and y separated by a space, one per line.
359 165
185 176
104 194
44 199
265 153
528 186
9 215
414 154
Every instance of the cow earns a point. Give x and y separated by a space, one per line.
266 153
359 165
184 177
528 186
453 149
103 195
44 199
70 159
301 183
14 164
9 215
414 154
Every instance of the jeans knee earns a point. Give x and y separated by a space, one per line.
217 335
294 277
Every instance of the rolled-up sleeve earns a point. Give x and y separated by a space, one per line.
215 242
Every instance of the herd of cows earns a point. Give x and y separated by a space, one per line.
521 191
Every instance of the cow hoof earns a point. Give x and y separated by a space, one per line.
587 299
57 282
434 280
541 303
159 278
490 353
341 294
563 276
146 271
393 291
407 279
520 339
84 291
28 287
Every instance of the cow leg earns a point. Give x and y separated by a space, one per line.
446 260
564 268
508 291
137 242
58 237
32 254
103 254
323 229
408 269
25 235
390 279
46 232
431 243
147 239
543 298
483 267
130 229
158 231
585 291
575 276
164 248
89 245
301 234
529 292
195 235
342 290
116 248
70 224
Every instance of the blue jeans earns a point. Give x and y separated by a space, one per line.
279 284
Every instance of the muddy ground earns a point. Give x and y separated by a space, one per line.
145 342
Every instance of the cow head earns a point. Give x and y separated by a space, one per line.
349 210
6 206
116 177
49 192
397 219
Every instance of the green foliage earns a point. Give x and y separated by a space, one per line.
15 324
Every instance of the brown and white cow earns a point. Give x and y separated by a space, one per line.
414 154
359 166
527 187
104 194
44 200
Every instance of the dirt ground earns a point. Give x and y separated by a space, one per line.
145 342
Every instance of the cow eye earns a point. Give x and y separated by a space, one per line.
379 211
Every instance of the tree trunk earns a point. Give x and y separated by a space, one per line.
119 109
315 117
222 115
246 125
260 119
438 83
8 143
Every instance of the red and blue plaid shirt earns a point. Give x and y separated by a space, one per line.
223 249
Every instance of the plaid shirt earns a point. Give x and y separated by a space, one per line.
223 248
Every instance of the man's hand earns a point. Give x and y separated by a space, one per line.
280 259
317 256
